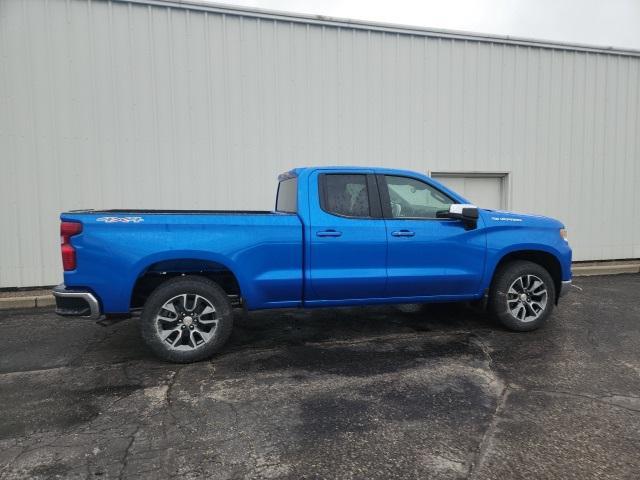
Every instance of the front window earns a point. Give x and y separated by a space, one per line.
411 198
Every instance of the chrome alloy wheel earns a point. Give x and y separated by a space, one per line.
527 298
186 322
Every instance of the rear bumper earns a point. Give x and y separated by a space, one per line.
565 287
75 303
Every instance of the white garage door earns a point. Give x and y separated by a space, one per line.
485 191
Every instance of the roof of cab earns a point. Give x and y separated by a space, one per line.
346 168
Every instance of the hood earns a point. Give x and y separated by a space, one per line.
502 217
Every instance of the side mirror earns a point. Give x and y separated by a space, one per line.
462 211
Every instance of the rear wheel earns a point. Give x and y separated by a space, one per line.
522 295
186 319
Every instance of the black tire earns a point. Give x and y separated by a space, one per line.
185 350
504 279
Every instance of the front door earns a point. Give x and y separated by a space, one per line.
347 239
427 256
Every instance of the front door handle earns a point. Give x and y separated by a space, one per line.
328 233
403 233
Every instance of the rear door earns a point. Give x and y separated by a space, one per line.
348 239
428 256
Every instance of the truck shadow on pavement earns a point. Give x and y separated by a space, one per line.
354 341
267 329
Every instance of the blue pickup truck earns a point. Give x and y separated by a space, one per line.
338 236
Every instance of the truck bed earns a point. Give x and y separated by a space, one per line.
116 247
126 211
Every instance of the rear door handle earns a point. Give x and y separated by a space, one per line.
328 233
403 233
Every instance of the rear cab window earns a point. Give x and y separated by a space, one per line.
287 198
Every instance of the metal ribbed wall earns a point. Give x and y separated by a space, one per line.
116 104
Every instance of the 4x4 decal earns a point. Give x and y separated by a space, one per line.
120 219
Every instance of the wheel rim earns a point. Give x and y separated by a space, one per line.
186 322
527 298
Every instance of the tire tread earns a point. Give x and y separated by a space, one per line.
501 282
176 286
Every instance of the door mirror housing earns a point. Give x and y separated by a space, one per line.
462 211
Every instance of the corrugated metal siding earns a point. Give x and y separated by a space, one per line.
116 105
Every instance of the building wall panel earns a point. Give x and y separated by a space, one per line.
111 104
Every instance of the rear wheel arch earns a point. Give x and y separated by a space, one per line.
159 272
546 260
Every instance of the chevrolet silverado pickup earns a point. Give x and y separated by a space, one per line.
338 236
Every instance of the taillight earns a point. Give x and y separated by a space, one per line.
68 230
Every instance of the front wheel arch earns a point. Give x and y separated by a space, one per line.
546 260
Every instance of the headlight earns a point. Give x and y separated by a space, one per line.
563 234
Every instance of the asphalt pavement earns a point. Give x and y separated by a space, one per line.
376 392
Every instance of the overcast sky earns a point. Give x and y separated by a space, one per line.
597 22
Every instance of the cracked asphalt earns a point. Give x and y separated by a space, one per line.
441 392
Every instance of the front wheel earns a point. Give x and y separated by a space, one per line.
522 295
186 319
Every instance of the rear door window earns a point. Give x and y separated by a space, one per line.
345 195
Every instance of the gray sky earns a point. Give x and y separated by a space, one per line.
596 22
